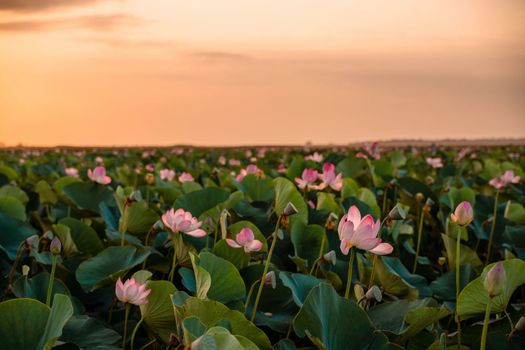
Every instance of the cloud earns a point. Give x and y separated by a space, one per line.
40 5
94 22
220 56
115 42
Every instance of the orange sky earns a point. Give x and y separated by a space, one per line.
227 72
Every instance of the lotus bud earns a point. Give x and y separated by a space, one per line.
330 257
25 270
290 209
463 215
150 178
359 292
419 196
374 293
495 280
397 213
520 325
269 279
442 260
56 246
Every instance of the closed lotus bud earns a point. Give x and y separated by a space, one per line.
374 293
359 292
520 325
150 178
56 246
269 279
463 215
495 280
419 196
290 209
25 270
330 257
397 213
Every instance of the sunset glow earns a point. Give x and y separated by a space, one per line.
142 72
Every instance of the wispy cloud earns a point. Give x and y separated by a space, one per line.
105 22
41 5
220 56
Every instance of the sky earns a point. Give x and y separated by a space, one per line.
237 72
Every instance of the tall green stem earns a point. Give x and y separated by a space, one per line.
124 336
492 228
123 225
320 254
51 279
350 272
458 280
265 271
176 240
134 332
485 325
419 233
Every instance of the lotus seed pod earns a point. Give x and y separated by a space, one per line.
25 270
290 209
330 257
150 178
397 213
374 293
495 280
359 292
520 325
56 246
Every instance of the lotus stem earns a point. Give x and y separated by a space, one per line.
135 331
123 225
250 292
374 261
124 335
265 271
350 272
458 280
320 254
51 280
15 263
485 325
419 234
174 261
492 228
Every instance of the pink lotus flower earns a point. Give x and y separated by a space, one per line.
504 180
281 168
132 292
186 177
250 169
330 179
245 238
463 215
316 157
307 180
234 162
222 160
167 174
434 162
71 172
371 149
99 175
149 167
311 204
183 221
361 233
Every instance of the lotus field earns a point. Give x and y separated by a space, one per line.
262 248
